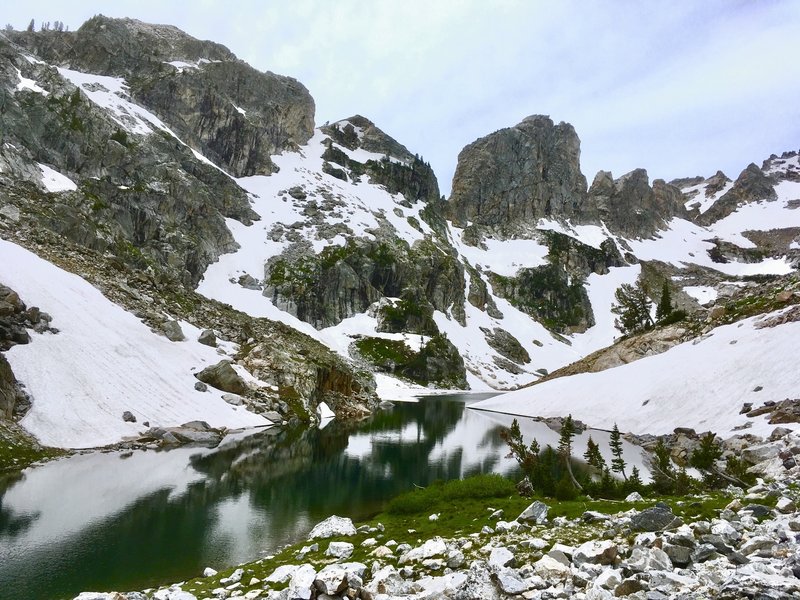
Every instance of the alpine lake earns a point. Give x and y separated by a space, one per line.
125 521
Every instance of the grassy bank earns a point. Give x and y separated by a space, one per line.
463 508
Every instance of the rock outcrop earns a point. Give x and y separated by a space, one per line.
513 177
630 207
752 185
397 169
229 111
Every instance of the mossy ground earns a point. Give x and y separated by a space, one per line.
19 450
463 508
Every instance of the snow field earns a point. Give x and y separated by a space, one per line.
701 384
102 363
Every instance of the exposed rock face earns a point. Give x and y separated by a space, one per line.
232 113
554 293
343 281
752 185
510 179
9 390
398 169
631 207
148 200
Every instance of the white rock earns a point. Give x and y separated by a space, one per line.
339 549
609 579
282 574
602 552
431 548
333 526
209 572
551 569
634 497
253 594
434 517
510 581
500 557
301 583
369 543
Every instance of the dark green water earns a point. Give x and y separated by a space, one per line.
105 522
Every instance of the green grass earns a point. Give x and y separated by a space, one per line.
19 450
463 508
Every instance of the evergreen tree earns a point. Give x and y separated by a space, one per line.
593 456
635 483
526 456
565 447
615 442
663 472
633 309
31 25
608 485
664 308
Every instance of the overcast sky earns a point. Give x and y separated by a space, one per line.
680 88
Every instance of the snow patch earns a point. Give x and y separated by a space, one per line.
29 84
53 181
702 293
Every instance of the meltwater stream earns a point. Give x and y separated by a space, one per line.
117 521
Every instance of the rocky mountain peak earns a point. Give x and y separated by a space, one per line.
630 206
232 113
359 132
387 162
510 179
752 185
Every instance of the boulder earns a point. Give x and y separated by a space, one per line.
536 513
207 338
658 518
128 417
224 377
333 526
172 329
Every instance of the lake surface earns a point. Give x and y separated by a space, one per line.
122 521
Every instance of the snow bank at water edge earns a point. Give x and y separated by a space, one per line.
701 384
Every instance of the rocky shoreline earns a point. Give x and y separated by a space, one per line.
749 549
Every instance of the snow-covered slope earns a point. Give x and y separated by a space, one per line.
103 362
701 384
